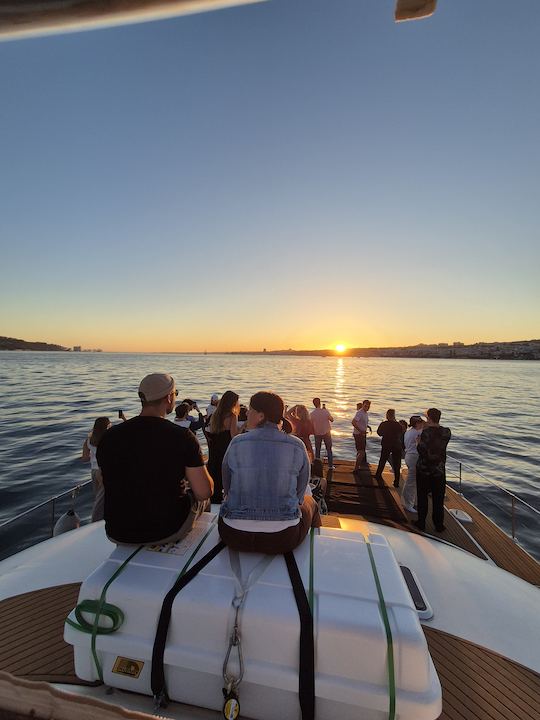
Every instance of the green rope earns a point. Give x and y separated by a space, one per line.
99 608
389 641
102 608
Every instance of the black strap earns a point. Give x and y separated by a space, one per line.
306 671
158 672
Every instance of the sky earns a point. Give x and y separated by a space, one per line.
289 174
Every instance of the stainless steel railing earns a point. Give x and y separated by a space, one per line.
74 491
514 499
37 523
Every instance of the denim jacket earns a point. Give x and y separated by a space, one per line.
265 473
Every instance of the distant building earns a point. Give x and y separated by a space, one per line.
77 348
459 344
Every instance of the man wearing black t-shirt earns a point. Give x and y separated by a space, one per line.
145 463
391 432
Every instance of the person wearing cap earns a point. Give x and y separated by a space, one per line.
267 507
410 439
431 470
211 409
145 463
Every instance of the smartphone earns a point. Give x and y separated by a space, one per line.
120 414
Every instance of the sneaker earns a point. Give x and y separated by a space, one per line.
331 467
411 509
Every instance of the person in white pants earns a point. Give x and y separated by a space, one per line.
408 494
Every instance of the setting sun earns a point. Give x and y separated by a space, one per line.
340 348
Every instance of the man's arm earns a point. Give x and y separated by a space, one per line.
200 482
195 425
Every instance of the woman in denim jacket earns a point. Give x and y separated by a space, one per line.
265 475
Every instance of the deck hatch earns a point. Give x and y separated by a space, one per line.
418 599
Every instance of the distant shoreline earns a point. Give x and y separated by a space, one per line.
513 350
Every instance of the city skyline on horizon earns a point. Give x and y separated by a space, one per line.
338 350
285 174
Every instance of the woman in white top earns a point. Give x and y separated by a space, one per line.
408 494
101 425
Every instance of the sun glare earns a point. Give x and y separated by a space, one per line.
340 348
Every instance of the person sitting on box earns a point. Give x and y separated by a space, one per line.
268 507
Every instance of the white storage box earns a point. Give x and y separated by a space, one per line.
351 671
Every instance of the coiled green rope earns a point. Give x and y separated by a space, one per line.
100 608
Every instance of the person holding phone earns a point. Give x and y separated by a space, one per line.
194 423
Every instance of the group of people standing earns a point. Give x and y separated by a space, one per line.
422 443
152 482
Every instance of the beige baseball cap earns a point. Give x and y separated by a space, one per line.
156 386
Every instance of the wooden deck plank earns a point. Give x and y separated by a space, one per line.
454 532
469 691
32 643
525 687
487 678
501 548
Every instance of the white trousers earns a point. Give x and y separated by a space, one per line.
408 494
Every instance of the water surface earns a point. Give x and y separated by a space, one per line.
48 403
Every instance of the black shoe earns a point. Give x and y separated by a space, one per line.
377 476
419 525
396 483
440 528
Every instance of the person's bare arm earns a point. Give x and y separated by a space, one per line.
85 451
200 482
233 426
355 425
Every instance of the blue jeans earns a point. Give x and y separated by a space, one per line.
327 444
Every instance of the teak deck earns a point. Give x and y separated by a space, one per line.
477 683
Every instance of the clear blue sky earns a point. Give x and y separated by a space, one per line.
295 173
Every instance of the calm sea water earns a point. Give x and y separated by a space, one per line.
48 403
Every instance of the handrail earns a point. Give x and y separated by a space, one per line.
492 482
72 491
